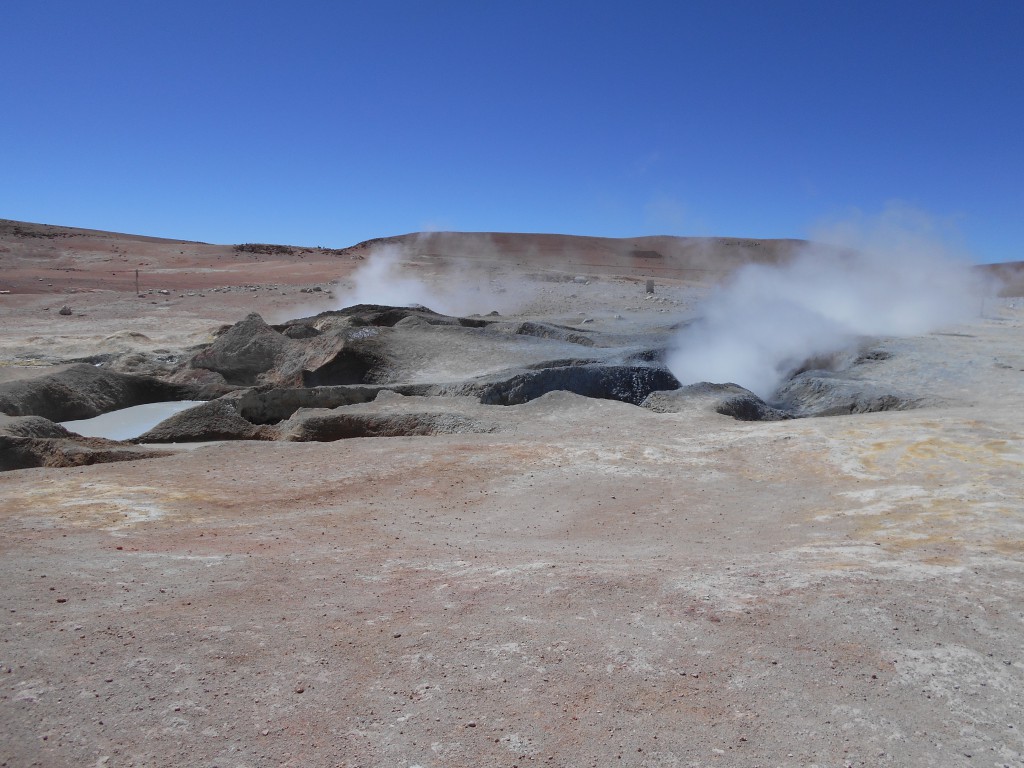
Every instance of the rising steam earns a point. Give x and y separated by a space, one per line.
890 278
384 279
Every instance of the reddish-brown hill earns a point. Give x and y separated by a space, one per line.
663 255
92 259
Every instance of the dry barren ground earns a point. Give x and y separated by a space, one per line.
601 586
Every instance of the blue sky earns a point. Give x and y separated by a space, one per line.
327 123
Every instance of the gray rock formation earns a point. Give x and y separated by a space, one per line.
627 383
84 391
32 426
28 452
321 425
726 399
246 351
270 406
214 420
393 415
820 393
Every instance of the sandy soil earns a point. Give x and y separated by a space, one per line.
601 586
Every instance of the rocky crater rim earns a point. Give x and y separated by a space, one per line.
331 376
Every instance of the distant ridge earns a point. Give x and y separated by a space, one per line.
668 256
651 253
1010 274
25 229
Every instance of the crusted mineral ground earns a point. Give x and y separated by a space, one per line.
499 541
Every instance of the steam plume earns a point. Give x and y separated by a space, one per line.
383 280
892 277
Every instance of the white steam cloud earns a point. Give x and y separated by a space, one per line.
892 277
384 279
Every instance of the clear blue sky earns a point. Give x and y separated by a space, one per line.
326 123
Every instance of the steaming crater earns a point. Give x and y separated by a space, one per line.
765 323
381 371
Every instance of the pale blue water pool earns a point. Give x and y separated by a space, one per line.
128 422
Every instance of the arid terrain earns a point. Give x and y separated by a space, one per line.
480 540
